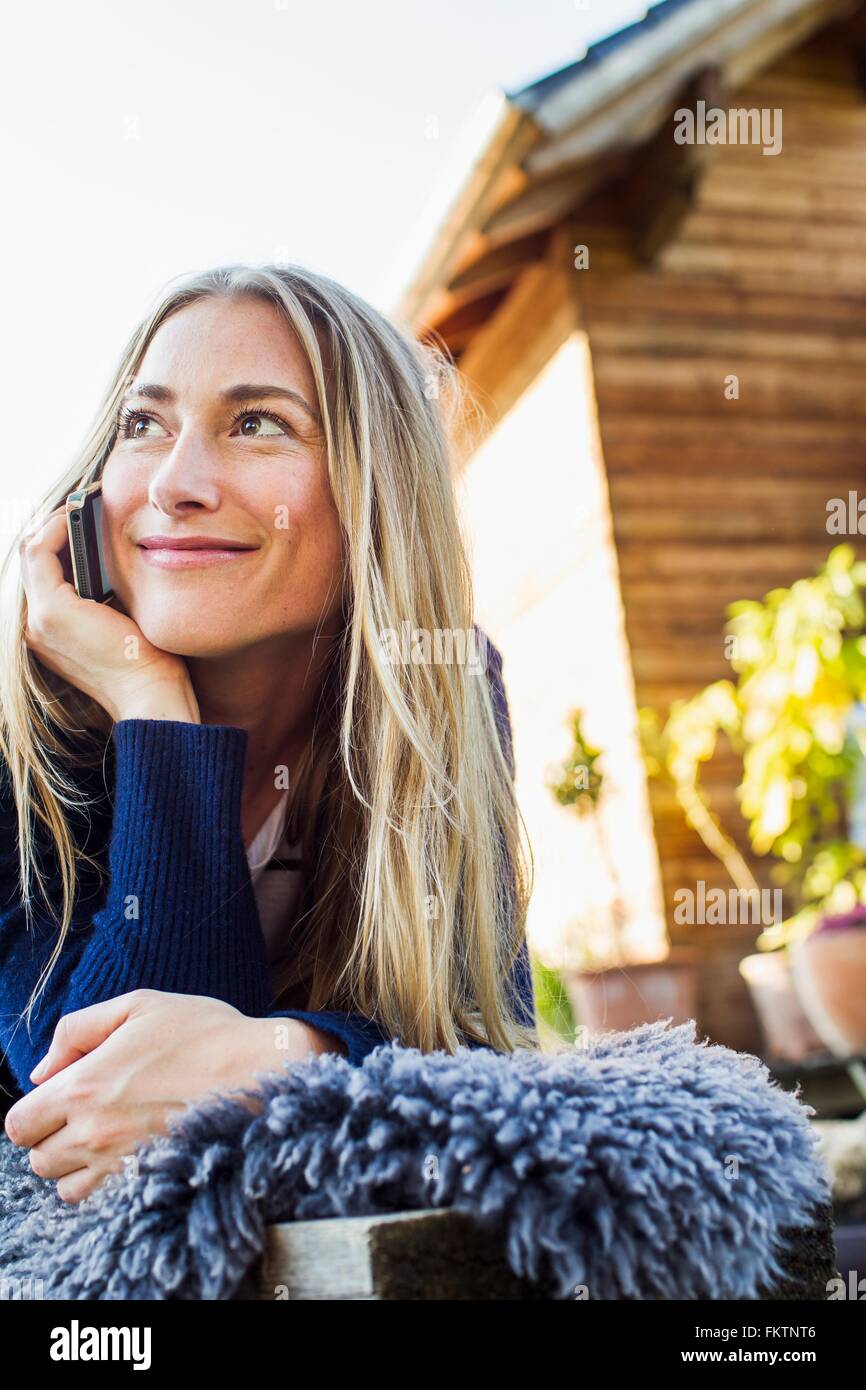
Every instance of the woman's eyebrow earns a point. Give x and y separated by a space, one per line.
242 392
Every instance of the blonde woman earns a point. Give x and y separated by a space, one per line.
241 821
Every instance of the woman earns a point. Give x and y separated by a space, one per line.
309 833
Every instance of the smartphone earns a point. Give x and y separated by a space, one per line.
84 525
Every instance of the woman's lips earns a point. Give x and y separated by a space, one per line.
192 558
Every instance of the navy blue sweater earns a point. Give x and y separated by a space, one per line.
179 913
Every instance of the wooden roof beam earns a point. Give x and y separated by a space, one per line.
458 328
498 268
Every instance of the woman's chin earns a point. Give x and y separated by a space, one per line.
189 639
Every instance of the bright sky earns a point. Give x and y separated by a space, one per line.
145 140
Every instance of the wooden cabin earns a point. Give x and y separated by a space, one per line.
667 341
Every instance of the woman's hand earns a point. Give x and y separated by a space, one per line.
97 648
118 1073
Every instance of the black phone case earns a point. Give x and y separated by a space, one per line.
84 525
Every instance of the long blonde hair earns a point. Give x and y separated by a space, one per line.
418 881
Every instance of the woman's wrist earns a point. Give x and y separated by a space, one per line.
267 1044
160 702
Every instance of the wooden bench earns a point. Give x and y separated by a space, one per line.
443 1254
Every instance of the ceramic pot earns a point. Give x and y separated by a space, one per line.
619 998
788 1034
829 973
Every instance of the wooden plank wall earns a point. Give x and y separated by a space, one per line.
715 499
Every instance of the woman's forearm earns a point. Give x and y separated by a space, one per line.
161 702
179 913
119 1073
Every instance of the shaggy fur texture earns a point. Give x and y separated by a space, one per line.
646 1165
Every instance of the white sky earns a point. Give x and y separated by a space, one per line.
146 138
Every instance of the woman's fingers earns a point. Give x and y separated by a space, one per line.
96 647
41 568
57 1155
49 534
80 1032
77 1187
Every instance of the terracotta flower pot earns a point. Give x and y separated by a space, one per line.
829 972
620 998
788 1034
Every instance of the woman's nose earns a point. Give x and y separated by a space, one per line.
189 472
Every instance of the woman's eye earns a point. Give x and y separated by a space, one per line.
257 422
132 423
252 424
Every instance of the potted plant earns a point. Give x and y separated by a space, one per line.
800 660
606 989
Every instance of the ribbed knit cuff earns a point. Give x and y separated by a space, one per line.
361 1035
181 903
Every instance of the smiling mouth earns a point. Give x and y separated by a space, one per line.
193 557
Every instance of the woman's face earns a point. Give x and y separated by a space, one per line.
198 458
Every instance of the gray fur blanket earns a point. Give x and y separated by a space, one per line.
645 1165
